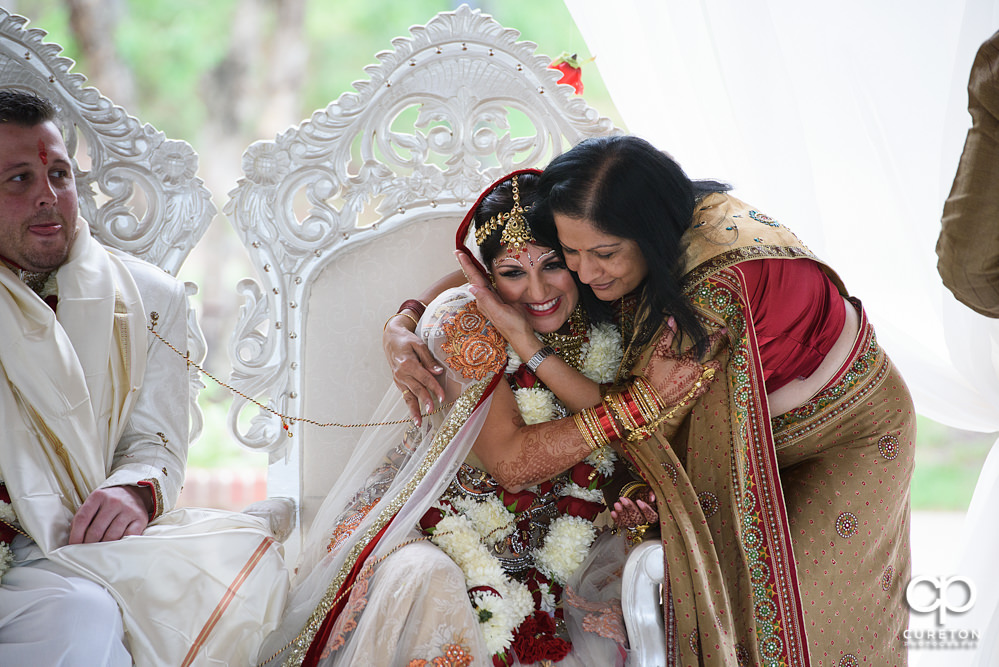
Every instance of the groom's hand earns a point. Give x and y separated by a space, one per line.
110 514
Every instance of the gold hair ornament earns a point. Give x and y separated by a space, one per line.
516 233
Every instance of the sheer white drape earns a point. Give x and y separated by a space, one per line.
845 120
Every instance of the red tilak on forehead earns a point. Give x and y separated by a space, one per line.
42 153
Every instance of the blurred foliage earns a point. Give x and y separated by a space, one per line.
948 462
171 45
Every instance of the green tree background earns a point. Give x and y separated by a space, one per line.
224 73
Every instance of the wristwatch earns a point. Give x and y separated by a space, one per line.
539 356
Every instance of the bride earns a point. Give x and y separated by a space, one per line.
430 550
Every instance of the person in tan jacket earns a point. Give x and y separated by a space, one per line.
968 247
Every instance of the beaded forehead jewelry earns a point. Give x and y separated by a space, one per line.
516 233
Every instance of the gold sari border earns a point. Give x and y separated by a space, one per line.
730 258
766 540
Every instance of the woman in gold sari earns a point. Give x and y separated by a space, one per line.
783 494
782 491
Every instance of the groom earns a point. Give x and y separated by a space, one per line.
95 413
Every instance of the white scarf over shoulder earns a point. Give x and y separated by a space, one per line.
69 385
198 586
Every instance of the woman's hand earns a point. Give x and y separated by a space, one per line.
413 367
630 514
675 375
509 321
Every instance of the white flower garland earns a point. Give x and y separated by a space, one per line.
469 528
601 354
6 558
566 545
498 616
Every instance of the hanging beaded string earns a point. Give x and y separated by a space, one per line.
14 528
286 420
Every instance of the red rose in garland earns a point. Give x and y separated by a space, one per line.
432 517
516 502
524 378
578 507
587 476
534 581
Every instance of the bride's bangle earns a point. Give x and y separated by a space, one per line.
598 426
414 305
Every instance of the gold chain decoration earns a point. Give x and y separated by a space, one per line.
516 231
286 420
570 345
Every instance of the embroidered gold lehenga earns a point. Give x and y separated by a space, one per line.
787 539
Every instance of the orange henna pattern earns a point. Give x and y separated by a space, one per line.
604 618
474 347
674 374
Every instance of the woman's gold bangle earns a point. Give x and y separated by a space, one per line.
404 314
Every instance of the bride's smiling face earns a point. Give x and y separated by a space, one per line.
537 282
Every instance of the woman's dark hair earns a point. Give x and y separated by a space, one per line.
500 200
628 188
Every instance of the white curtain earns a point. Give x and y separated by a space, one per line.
846 121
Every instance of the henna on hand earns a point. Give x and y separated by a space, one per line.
542 451
674 374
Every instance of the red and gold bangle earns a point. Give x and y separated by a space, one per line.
607 423
593 422
599 425
627 414
707 375
635 408
648 398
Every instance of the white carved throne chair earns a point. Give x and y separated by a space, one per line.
354 210
137 189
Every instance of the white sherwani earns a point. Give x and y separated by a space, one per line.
90 399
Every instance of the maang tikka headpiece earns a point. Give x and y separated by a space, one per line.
516 233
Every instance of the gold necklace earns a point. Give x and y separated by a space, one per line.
569 345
